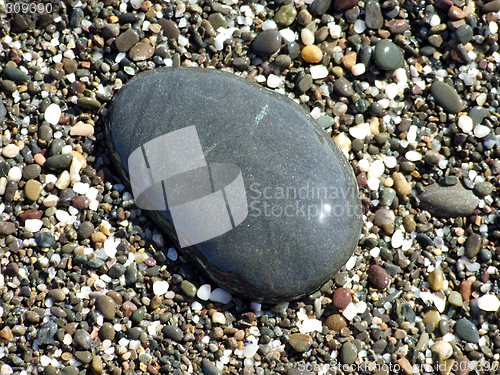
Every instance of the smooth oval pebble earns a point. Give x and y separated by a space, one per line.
488 302
466 330
341 298
448 201
436 279
267 42
443 349
378 277
261 148
447 97
388 56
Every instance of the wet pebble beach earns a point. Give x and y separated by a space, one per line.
409 91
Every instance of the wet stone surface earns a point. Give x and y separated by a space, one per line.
264 257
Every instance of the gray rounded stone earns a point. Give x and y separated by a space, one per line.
467 331
388 56
267 42
447 97
373 15
283 214
448 201
107 307
473 245
464 34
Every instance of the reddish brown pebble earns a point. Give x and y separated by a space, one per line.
128 308
345 4
444 4
397 26
361 178
485 276
335 322
12 269
461 365
39 159
465 289
30 214
455 13
150 262
152 370
378 277
341 298
80 203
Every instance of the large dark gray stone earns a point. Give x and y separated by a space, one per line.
295 215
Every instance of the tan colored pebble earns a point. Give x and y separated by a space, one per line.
32 190
436 279
443 349
455 298
82 130
343 141
300 342
401 184
98 237
312 54
432 317
405 366
10 151
63 181
349 60
239 335
96 366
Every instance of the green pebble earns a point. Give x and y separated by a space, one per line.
455 299
138 315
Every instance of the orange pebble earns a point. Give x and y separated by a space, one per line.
39 159
312 54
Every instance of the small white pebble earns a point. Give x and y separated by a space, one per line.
307 37
218 318
335 30
311 325
269 25
465 123
488 302
52 114
350 311
221 296
15 174
204 291
376 170
358 69
250 350
33 225
318 71
359 26
481 131
413 156
360 131
160 287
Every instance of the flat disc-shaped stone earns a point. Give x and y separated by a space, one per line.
242 178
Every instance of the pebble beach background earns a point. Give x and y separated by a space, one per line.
90 286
